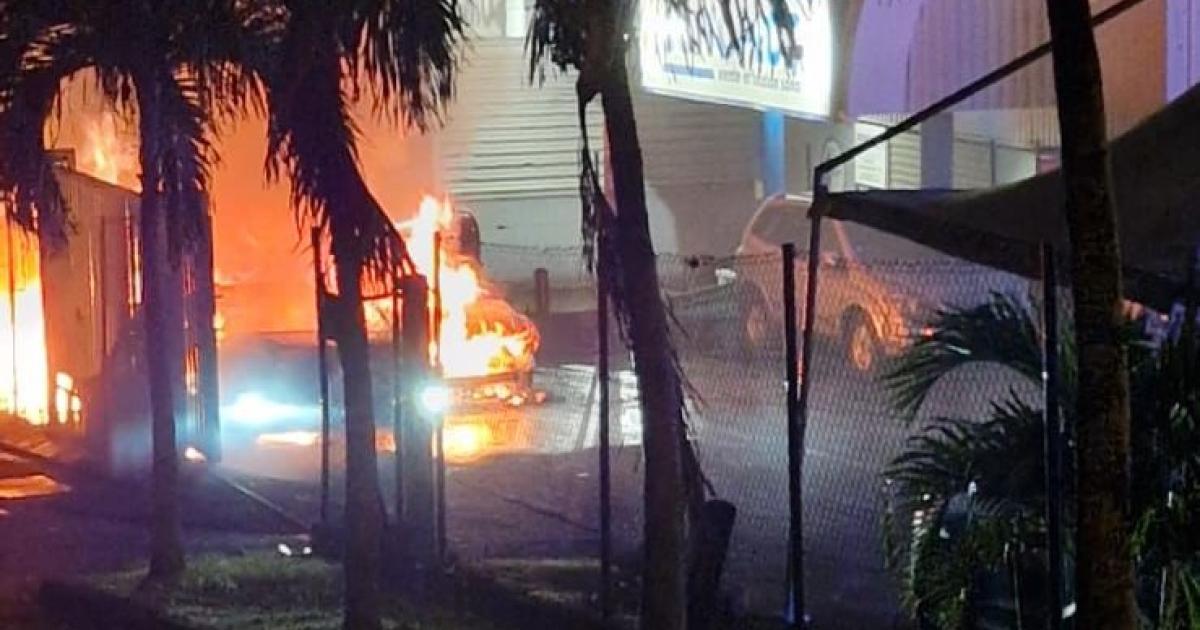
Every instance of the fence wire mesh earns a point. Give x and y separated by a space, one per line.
522 482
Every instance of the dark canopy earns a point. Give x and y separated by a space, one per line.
1156 178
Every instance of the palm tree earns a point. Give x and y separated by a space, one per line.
144 56
592 37
318 60
965 509
1105 568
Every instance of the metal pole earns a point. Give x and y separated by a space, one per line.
602 377
397 414
322 373
440 437
794 437
796 451
12 318
1053 438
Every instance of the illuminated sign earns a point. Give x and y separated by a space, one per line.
711 71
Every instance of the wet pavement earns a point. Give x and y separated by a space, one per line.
532 489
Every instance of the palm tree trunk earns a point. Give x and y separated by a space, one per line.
663 587
1104 572
363 520
166 546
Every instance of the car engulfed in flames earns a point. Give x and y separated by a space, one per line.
483 348
482 351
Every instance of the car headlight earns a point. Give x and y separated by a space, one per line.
254 408
435 399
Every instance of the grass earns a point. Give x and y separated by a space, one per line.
571 582
268 590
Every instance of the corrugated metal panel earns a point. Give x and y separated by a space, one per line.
904 161
972 164
507 139
957 41
686 143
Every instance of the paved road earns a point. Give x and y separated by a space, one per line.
533 490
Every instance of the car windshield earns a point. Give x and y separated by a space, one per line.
779 224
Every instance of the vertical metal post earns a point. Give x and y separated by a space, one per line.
796 444
420 495
397 413
12 319
1053 438
795 438
102 280
322 372
440 437
602 377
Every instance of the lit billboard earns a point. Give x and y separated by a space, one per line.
711 71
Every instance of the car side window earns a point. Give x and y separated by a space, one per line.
778 226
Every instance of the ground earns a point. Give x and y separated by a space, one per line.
531 492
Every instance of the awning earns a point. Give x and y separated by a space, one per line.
1156 179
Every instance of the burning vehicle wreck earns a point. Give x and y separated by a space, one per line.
481 350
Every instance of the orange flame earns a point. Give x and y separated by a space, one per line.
23 361
480 333
106 155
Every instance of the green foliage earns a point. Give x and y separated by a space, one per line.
967 493
999 331
267 590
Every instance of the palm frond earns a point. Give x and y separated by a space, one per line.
187 160
220 45
313 137
1002 331
26 170
407 53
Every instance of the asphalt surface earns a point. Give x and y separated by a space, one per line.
532 490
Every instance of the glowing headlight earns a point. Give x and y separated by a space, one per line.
254 408
435 399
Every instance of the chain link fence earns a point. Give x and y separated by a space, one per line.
522 485
542 496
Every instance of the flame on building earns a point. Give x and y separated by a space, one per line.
23 362
26 387
480 334
106 155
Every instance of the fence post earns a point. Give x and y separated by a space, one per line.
796 444
1053 438
322 373
541 286
397 397
436 332
795 439
418 529
602 375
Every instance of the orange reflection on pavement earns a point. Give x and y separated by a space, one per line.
30 486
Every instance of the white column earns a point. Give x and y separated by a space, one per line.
514 18
937 152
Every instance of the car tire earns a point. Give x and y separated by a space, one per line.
860 343
757 330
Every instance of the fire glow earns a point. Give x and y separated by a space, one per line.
23 362
480 333
106 155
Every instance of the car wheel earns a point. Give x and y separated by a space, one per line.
757 326
860 343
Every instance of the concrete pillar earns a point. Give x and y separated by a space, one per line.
774 153
937 152
514 18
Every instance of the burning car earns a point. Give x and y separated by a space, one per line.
483 349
